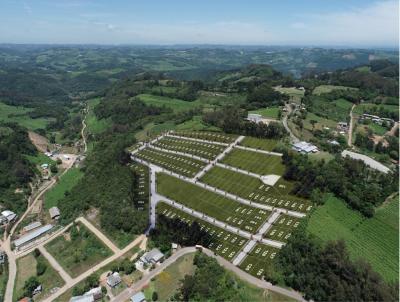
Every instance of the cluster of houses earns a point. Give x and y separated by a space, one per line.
376 119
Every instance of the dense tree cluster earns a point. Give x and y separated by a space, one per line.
175 230
210 282
265 96
360 186
326 273
232 120
15 170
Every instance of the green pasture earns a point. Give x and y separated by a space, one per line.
19 114
259 143
210 136
329 88
160 101
269 112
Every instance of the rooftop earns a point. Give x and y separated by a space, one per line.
32 235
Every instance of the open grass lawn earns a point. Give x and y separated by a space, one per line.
294 93
180 164
269 112
95 126
259 143
329 88
19 114
161 101
337 110
215 205
65 183
210 136
204 150
361 108
255 162
251 188
321 122
224 243
40 159
169 281
375 239
377 129
77 250
26 268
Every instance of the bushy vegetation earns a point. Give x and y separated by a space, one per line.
326 273
360 186
15 169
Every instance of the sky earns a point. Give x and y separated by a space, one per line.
344 23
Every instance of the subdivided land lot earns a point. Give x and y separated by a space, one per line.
223 243
209 136
212 204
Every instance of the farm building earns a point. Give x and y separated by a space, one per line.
138 297
255 118
32 235
32 226
304 147
54 213
9 215
114 279
342 126
152 257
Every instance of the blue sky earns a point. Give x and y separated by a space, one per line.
358 23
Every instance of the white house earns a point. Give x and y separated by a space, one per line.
304 147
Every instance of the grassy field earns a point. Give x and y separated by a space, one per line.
375 239
361 108
26 268
329 88
210 136
183 165
65 183
204 150
20 115
77 250
160 101
377 129
294 93
337 110
255 162
259 143
40 159
226 210
95 126
253 189
223 243
269 112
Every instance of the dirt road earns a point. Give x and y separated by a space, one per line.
350 133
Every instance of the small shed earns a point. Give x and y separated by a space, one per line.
114 279
54 213
138 297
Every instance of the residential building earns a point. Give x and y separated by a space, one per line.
304 147
255 118
138 297
9 215
114 279
152 257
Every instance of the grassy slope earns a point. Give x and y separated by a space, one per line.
66 183
259 143
329 88
294 93
95 126
23 119
269 112
364 106
374 239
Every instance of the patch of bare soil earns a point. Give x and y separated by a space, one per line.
41 143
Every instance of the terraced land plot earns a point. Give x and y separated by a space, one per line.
259 143
223 243
176 163
209 136
259 260
204 150
255 162
253 189
142 201
212 204
282 228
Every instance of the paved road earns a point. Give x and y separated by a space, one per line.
350 132
99 235
86 274
127 293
